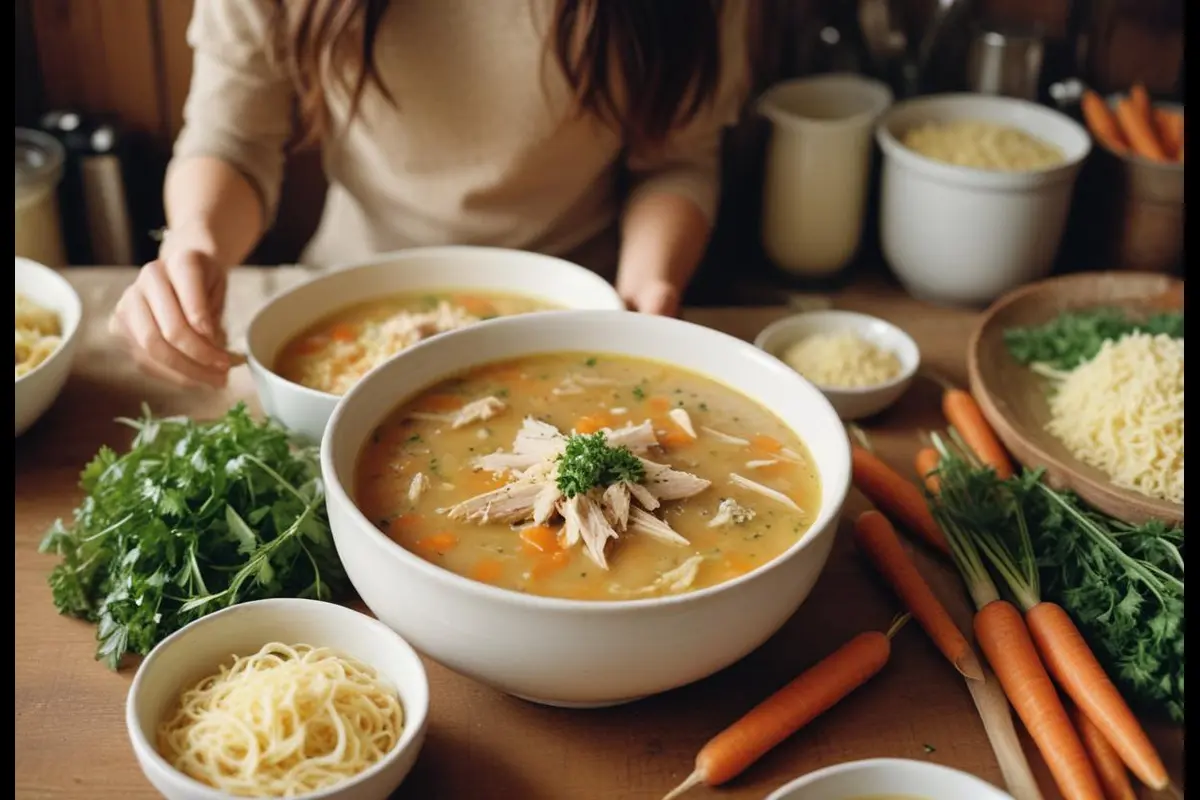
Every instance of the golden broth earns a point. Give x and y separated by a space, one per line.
334 353
584 393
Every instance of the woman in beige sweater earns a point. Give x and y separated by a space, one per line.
588 129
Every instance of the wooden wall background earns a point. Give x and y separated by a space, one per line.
130 59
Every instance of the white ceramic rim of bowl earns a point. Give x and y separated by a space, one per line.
73 325
385 259
860 320
882 763
875 95
333 484
413 722
1013 108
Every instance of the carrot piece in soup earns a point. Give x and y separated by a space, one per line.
487 571
540 539
438 543
547 565
343 332
766 444
592 423
475 305
659 403
674 439
405 523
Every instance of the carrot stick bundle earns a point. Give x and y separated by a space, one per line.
1109 766
815 691
900 499
1102 123
1169 125
877 539
1139 130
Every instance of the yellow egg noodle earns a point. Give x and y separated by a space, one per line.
39 333
842 360
1122 412
982 145
283 722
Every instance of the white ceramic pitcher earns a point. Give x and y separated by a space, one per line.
817 169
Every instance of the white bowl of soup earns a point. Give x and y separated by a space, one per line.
48 319
308 345
975 193
339 700
888 779
585 508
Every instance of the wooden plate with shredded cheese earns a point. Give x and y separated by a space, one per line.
1014 398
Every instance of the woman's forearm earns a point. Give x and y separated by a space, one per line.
663 237
212 208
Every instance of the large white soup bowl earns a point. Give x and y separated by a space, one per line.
464 268
571 652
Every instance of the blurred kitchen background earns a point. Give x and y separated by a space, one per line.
108 79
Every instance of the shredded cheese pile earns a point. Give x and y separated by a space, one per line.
283 722
842 360
1122 412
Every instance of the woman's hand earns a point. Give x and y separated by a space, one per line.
652 297
170 319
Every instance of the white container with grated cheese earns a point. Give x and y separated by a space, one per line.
862 364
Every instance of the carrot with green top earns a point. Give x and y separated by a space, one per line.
877 540
900 499
1008 547
1002 635
814 692
1102 124
965 416
926 464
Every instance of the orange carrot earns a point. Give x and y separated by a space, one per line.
1074 666
1169 125
659 403
540 539
344 332
767 445
550 563
1005 640
1139 98
1139 131
675 440
815 691
1109 766
899 499
1102 123
440 402
877 539
488 570
592 423
964 414
439 543
926 462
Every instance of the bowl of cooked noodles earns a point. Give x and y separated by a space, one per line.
279 698
48 316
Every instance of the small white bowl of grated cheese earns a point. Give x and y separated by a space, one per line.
862 364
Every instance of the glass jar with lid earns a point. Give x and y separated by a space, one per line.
38 230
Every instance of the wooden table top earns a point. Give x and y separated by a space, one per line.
483 745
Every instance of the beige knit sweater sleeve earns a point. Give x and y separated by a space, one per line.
240 107
689 162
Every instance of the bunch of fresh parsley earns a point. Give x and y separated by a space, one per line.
197 516
588 462
1074 338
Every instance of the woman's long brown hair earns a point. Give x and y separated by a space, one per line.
647 66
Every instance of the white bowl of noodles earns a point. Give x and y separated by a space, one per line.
360 738
48 320
302 362
705 567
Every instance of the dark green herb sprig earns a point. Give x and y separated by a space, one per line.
195 517
588 462
1073 338
1122 584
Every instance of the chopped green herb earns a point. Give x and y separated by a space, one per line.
416 437
195 517
1071 339
704 406
639 393
928 748
588 462
591 362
